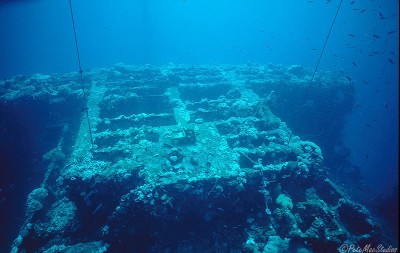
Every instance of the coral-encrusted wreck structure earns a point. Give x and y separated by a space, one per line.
188 159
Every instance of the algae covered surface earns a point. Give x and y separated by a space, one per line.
188 158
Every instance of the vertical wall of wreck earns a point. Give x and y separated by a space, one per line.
34 117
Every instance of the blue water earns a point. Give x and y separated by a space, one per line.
37 36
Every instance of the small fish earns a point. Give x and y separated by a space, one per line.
366 82
351 35
348 78
336 55
356 9
373 53
368 125
391 32
363 10
366 155
386 105
313 49
355 65
390 60
376 36
352 2
381 15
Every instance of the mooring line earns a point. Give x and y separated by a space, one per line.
81 73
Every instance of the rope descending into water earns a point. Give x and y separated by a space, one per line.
80 73
319 60
322 51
